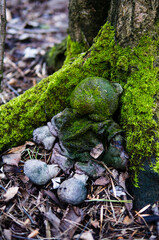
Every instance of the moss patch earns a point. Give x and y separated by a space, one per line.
22 115
132 68
138 104
55 56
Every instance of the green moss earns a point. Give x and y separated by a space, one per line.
55 56
20 116
74 49
95 96
138 103
132 68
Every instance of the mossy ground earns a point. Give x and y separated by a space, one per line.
132 68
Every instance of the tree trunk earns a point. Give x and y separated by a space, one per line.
134 68
86 18
132 19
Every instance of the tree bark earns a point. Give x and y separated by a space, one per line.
132 19
86 18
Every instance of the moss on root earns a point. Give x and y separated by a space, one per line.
133 68
32 109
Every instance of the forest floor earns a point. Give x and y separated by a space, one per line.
29 211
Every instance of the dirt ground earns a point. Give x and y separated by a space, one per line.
28 211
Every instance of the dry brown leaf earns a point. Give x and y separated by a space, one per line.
127 220
102 181
21 148
11 192
95 223
12 159
33 234
72 217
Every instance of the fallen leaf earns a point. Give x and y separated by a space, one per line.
95 223
87 236
102 181
2 176
56 182
11 192
21 148
12 159
97 151
127 220
72 217
33 234
7 234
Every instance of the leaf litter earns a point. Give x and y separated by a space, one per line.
29 211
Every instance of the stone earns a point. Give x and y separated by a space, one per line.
42 135
39 172
72 191
97 96
82 177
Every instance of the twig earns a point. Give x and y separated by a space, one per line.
85 227
20 237
11 88
156 212
3 188
28 215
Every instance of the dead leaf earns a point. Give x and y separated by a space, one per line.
97 151
12 159
127 220
7 234
54 220
11 192
87 236
95 223
72 217
24 178
102 181
33 234
21 148
2 176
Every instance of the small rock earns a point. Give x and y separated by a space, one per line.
82 177
39 172
72 191
42 135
